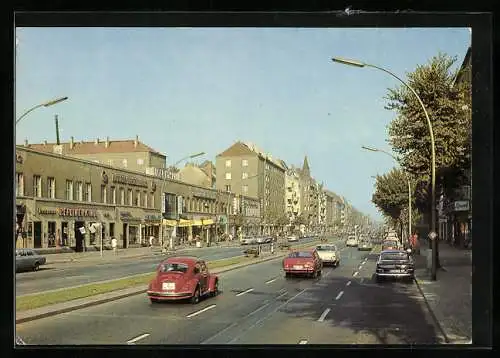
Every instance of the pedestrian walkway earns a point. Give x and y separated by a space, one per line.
450 296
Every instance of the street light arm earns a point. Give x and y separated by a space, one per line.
28 112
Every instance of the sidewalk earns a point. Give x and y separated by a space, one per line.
450 296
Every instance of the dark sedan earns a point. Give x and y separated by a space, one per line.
395 264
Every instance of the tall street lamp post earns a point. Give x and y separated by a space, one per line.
407 178
45 104
432 234
162 196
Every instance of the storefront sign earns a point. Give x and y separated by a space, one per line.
126 215
461 206
47 211
76 212
152 218
124 179
206 194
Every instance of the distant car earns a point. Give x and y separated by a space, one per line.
182 277
27 259
351 241
293 238
329 254
303 262
395 264
365 245
249 241
391 245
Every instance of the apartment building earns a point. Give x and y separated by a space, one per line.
292 194
244 169
309 194
322 203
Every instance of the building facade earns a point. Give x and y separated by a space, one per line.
309 195
292 195
245 170
194 175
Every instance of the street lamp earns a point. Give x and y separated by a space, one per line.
46 104
407 178
171 243
432 234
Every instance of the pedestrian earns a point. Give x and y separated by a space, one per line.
114 243
151 238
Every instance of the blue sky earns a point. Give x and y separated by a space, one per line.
185 90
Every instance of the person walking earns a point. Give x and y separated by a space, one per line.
114 243
151 238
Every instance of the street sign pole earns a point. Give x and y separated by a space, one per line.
433 238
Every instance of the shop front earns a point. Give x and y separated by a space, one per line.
131 229
151 228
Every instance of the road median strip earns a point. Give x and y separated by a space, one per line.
36 306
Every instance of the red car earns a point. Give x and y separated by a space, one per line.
390 245
179 278
303 262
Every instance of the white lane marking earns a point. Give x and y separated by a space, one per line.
339 295
200 311
360 267
242 293
271 281
323 315
348 283
361 281
283 294
133 340
303 341
356 274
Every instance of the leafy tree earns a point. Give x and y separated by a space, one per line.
283 220
301 219
448 105
391 193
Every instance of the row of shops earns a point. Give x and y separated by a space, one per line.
455 222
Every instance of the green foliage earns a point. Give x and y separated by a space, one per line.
448 105
391 193
301 220
283 220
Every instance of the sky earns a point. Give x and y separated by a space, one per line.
187 90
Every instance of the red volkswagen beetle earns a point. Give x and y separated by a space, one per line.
305 262
180 278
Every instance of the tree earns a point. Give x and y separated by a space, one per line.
448 105
391 193
301 220
283 220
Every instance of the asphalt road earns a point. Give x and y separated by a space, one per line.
57 276
258 305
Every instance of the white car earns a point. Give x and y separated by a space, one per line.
329 254
293 238
351 241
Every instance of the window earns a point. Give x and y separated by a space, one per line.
88 192
137 198
37 186
228 187
228 176
122 196
69 189
51 188
104 194
110 161
140 161
244 175
130 197
244 163
145 196
152 200
245 189
228 163
113 195
19 184
79 191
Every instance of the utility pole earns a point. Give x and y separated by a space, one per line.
57 130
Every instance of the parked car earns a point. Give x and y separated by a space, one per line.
395 264
391 245
182 277
329 254
365 245
27 259
249 241
293 238
303 262
351 241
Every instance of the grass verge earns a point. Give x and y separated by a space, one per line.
50 298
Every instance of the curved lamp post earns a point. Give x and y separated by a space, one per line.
407 178
46 104
171 243
433 153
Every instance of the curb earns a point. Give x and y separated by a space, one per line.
118 295
431 311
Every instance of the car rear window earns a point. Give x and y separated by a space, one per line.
300 254
394 256
326 248
174 267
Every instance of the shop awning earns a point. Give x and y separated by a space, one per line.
208 222
185 223
169 222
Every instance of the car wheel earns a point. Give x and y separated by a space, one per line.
216 291
196 295
36 266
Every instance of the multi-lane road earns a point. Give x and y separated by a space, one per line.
58 276
258 305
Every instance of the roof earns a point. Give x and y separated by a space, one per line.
115 146
240 149
188 260
392 251
305 166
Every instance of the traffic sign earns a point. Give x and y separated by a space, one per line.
432 235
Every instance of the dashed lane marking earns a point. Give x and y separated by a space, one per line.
303 341
339 295
323 315
200 311
271 281
348 283
355 274
360 267
242 293
361 281
283 294
138 338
